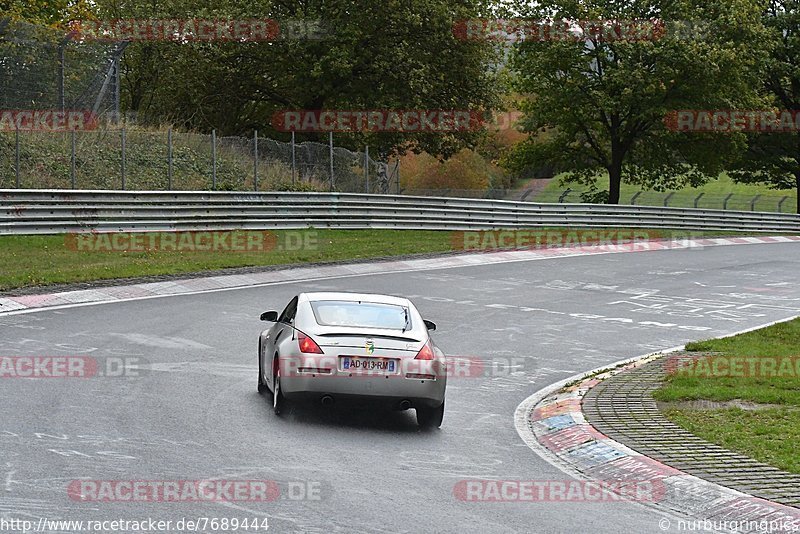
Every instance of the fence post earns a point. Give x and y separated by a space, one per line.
169 159
753 202
61 75
117 92
780 204
72 159
397 172
330 148
564 195
633 200
255 160
725 202
666 200
16 156
697 199
293 158
122 159
366 169
213 160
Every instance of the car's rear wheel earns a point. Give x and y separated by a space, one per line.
262 386
430 417
278 400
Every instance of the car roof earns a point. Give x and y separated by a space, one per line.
356 297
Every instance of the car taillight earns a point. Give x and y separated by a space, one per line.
307 344
425 353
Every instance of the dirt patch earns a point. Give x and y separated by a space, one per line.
721 405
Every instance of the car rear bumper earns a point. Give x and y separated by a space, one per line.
390 389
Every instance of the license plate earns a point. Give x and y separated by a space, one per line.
350 363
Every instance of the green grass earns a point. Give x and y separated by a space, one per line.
44 260
768 434
714 191
45 162
780 340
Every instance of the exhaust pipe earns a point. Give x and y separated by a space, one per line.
405 405
327 400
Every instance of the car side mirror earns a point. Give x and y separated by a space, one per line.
270 316
429 324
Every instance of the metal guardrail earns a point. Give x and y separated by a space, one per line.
37 211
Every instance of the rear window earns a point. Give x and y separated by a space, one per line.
361 314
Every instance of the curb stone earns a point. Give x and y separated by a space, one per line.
552 423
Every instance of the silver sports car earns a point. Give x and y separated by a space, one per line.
352 346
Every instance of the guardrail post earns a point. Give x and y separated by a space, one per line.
293 158
213 160
255 160
169 159
72 159
725 202
633 200
366 169
122 159
564 195
780 204
753 202
330 147
697 199
16 156
666 200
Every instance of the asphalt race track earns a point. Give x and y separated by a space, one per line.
189 409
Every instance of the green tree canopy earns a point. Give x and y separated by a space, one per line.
372 55
774 157
598 104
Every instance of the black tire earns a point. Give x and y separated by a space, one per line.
262 386
428 418
278 400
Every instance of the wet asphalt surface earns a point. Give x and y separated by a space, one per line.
188 408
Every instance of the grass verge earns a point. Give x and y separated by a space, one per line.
45 260
760 367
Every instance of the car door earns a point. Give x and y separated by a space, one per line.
283 328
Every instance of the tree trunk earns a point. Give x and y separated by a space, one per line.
614 181
615 170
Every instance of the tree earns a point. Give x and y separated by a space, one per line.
45 12
774 158
371 55
597 104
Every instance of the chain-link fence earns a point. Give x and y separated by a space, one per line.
142 159
43 68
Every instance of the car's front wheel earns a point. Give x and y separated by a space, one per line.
430 417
